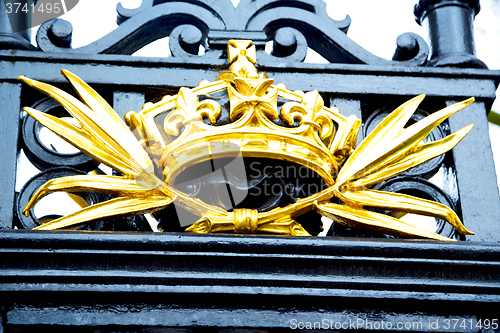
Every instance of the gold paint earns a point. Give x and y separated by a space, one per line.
151 155
245 220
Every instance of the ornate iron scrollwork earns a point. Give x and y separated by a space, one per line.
292 26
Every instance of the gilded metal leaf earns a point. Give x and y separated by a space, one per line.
388 150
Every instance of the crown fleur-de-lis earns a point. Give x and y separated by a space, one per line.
310 113
189 109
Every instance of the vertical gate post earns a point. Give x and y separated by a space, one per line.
449 24
15 30
476 178
10 105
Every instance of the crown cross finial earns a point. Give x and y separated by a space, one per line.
243 55
236 49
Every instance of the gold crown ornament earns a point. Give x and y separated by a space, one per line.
264 120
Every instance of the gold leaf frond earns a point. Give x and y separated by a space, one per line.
387 130
89 183
365 219
83 141
113 207
380 155
422 154
119 142
406 203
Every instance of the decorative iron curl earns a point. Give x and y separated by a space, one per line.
289 44
138 31
185 41
123 14
31 221
238 18
332 43
292 26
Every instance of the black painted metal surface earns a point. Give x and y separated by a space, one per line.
175 282
158 280
14 29
10 106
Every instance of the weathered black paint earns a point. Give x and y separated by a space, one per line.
10 106
451 31
156 280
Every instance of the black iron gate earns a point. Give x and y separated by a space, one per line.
135 281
